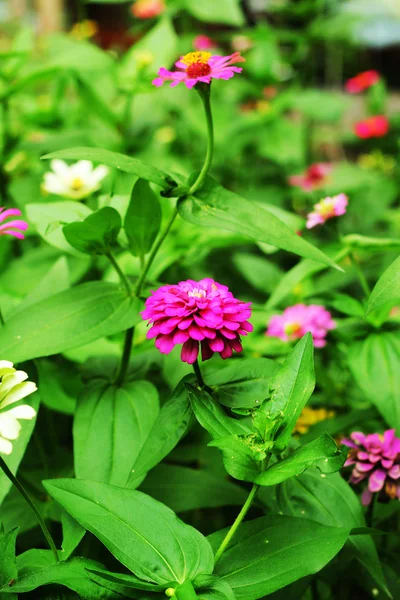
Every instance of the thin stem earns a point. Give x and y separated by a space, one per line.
153 253
185 591
205 93
2 321
126 354
199 377
39 517
121 275
361 277
236 524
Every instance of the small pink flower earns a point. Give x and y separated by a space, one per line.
203 42
147 9
376 458
14 227
361 82
377 126
314 177
327 209
200 66
197 312
297 320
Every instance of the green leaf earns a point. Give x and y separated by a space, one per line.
227 12
128 580
184 489
110 427
240 460
269 553
8 562
73 534
143 218
214 206
261 273
387 288
143 534
170 426
370 244
59 385
291 388
243 384
374 363
67 320
322 453
347 305
117 161
210 587
97 233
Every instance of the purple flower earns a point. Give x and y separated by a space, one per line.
197 312
297 320
376 458
12 227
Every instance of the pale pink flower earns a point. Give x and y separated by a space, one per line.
196 313
327 209
376 458
200 66
147 9
203 42
313 178
14 227
297 320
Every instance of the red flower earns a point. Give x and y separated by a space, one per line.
361 82
377 126
313 178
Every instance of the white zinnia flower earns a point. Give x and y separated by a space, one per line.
13 388
76 181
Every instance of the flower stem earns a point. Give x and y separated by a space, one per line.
205 93
185 591
199 377
39 517
361 277
126 354
121 275
236 524
2 321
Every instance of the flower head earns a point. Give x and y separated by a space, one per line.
14 227
310 416
197 312
203 42
200 66
313 178
376 458
147 9
76 181
13 388
327 209
297 320
377 126
361 82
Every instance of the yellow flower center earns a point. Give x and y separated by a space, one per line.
196 293
326 208
77 184
292 329
196 57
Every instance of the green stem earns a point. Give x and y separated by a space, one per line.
121 275
205 93
236 524
2 321
361 277
126 354
199 377
185 591
39 517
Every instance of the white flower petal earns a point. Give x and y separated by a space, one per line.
20 391
53 184
6 446
81 169
60 168
9 426
22 412
99 173
11 380
6 364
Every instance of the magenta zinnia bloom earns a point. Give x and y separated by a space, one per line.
197 312
361 82
376 458
299 319
327 209
314 177
14 227
200 66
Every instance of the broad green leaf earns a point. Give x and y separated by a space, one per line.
215 206
59 385
210 587
387 289
212 416
128 580
261 273
329 500
240 460
110 427
143 218
269 553
291 388
72 535
97 233
117 161
226 12
184 489
143 534
347 305
19 445
243 384
170 426
374 363
8 562
304 269
67 320
322 453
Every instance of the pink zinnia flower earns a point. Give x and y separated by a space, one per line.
14 227
147 9
203 42
314 177
376 458
197 312
327 209
377 126
361 82
297 320
200 66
